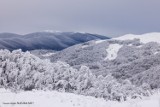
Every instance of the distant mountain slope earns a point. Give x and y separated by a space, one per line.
144 38
128 57
45 40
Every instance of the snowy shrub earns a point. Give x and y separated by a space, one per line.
24 71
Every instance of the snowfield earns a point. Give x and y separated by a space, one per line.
57 99
112 51
144 38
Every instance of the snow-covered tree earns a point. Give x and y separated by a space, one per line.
24 71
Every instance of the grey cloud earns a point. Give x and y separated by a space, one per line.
108 17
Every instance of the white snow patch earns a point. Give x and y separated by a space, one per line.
156 53
144 38
48 54
85 46
112 51
52 31
130 45
57 99
99 41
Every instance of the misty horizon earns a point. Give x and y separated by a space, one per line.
52 31
106 17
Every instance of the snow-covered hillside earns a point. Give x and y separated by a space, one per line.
57 99
118 69
144 38
126 58
113 49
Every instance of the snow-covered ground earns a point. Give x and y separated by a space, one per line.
112 51
85 46
57 99
48 54
99 41
144 38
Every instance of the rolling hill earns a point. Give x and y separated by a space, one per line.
45 40
133 57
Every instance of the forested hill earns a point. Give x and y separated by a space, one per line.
45 40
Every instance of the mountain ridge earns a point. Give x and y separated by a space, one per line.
45 40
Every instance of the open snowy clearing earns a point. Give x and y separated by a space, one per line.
57 99
144 38
112 51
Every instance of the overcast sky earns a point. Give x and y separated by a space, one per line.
107 17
